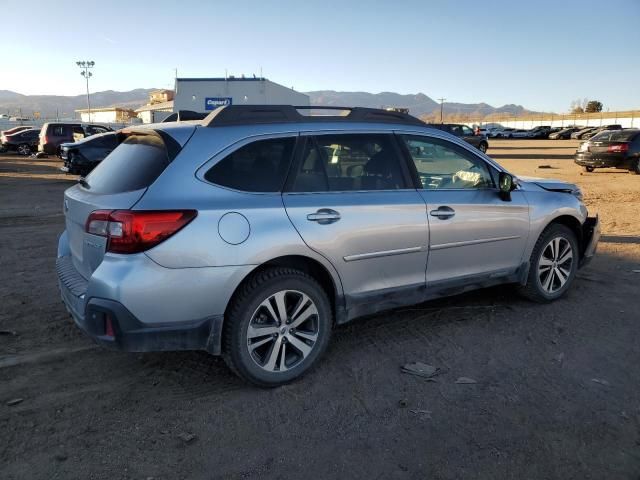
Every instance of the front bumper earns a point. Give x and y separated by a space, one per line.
590 238
110 324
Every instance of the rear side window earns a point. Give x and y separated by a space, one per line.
260 166
58 131
350 162
134 164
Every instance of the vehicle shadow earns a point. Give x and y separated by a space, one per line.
620 239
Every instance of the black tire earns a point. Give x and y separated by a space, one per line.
635 166
534 289
24 149
483 147
244 309
588 169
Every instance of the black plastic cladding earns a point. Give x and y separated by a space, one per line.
268 114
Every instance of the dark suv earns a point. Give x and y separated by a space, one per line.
465 133
53 135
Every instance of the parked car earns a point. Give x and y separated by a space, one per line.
247 235
564 134
611 149
84 155
506 133
520 133
541 131
10 131
52 135
597 130
464 132
576 135
25 142
494 132
92 129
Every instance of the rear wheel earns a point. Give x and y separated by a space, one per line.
483 147
635 166
24 149
588 169
553 264
277 327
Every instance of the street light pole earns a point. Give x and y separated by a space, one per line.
84 71
441 105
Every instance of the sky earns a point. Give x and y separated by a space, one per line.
540 54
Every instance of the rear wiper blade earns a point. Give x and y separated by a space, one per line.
84 183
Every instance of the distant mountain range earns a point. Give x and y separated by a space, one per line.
418 104
65 106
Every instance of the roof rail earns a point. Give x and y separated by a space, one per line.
265 114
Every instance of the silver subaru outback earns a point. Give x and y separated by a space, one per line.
252 232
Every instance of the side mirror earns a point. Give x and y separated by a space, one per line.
506 185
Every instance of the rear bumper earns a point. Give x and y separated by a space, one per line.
590 238
110 324
601 161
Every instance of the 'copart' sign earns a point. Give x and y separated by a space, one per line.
211 103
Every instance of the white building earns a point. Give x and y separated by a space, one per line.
155 113
106 115
206 94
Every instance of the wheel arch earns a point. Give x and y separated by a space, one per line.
312 267
572 223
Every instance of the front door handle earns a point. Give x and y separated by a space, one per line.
443 213
324 216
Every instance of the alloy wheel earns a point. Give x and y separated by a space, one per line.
283 331
555 264
24 149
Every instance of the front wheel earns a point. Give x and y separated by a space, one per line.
553 264
277 327
24 149
483 147
588 169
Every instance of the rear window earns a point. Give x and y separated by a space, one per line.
615 136
134 164
260 166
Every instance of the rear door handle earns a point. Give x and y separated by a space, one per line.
443 213
324 216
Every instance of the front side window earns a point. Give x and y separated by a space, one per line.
260 166
349 162
443 165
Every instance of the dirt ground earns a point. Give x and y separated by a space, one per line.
557 393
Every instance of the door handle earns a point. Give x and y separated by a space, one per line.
324 216
443 213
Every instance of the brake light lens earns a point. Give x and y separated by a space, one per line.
131 231
618 148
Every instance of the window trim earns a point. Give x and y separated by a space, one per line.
462 150
228 150
307 136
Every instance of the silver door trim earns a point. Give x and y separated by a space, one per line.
442 246
383 253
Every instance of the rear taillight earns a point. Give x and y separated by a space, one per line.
618 148
45 139
130 231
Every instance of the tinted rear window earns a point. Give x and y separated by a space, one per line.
615 136
134 164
